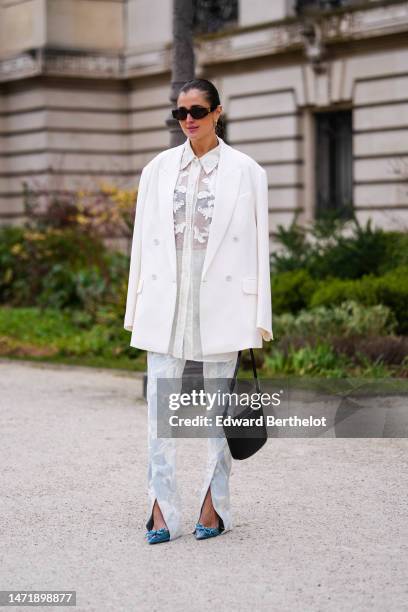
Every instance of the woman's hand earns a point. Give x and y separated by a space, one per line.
267 336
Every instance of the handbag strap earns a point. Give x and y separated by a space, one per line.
234 379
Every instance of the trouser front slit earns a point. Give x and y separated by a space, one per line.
161 473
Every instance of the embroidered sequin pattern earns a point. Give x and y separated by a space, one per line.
201 216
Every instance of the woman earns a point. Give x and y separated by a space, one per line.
199 288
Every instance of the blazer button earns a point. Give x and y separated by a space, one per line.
154 276
228 277
156 241
235 238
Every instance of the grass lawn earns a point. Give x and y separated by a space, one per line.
54 336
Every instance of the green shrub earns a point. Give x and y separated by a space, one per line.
351 256
291 291
11 239
389 350
63 287
320 360
344 249
348 319
396 254
59 269
334 291
390 290
31 256
295 250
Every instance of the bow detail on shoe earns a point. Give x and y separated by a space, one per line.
155 536
202 532
206 529
156 531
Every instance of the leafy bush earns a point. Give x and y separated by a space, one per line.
59 268
396 254
295 250
344 249
390 290
103 210
10 243
320 360
348 319
63 287
291 291
351 256
388 350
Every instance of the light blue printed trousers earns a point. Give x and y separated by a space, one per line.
161 473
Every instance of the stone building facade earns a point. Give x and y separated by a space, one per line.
317 92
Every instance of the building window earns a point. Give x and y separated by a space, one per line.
309 6
334 163
214 15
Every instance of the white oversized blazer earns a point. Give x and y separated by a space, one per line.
235 293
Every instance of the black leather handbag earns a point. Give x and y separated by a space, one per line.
245 440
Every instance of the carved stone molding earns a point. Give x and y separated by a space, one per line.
239 44
335 27
367 22
81 65
19 67
147 62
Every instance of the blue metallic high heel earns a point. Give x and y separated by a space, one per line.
156 536
202 532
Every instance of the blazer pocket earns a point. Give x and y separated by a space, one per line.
140 286
250 285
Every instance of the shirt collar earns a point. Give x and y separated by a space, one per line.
208 161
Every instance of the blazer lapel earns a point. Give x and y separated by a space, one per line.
226 195
168 175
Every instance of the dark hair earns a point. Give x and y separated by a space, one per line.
211 95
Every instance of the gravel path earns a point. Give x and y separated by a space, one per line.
320 524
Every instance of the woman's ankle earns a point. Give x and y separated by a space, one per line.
158 519
209 518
